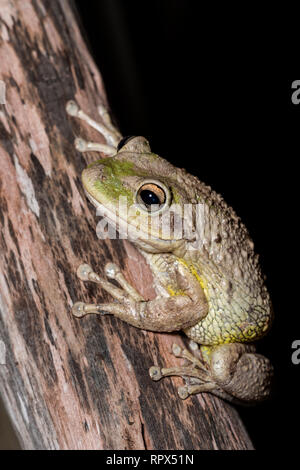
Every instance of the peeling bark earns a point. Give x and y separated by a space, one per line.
68 383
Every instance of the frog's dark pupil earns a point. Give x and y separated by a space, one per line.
149 197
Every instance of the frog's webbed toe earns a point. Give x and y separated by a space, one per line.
80 309
124 297
196 375
113 271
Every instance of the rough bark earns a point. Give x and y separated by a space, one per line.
69 383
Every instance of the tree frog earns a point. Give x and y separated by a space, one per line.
206 274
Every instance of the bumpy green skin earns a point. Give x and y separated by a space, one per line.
112 185
216 264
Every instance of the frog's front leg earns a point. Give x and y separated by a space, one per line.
231 371
161 314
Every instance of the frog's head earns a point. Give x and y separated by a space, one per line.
145 192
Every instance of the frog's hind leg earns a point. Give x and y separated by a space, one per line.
109 132
232 371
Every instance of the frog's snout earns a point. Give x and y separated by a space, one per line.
91 174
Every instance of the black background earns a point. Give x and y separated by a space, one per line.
205 92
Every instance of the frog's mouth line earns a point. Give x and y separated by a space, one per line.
120 224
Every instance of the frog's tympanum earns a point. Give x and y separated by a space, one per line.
207 277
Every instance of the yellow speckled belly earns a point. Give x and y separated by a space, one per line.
236 314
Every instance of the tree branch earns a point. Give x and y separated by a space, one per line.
69 383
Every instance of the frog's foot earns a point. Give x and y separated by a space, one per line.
196 375
109 132
234 372
126 295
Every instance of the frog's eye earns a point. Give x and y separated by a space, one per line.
152 196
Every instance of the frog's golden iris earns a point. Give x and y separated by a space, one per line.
151 194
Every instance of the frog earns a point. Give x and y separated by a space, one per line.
207 277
